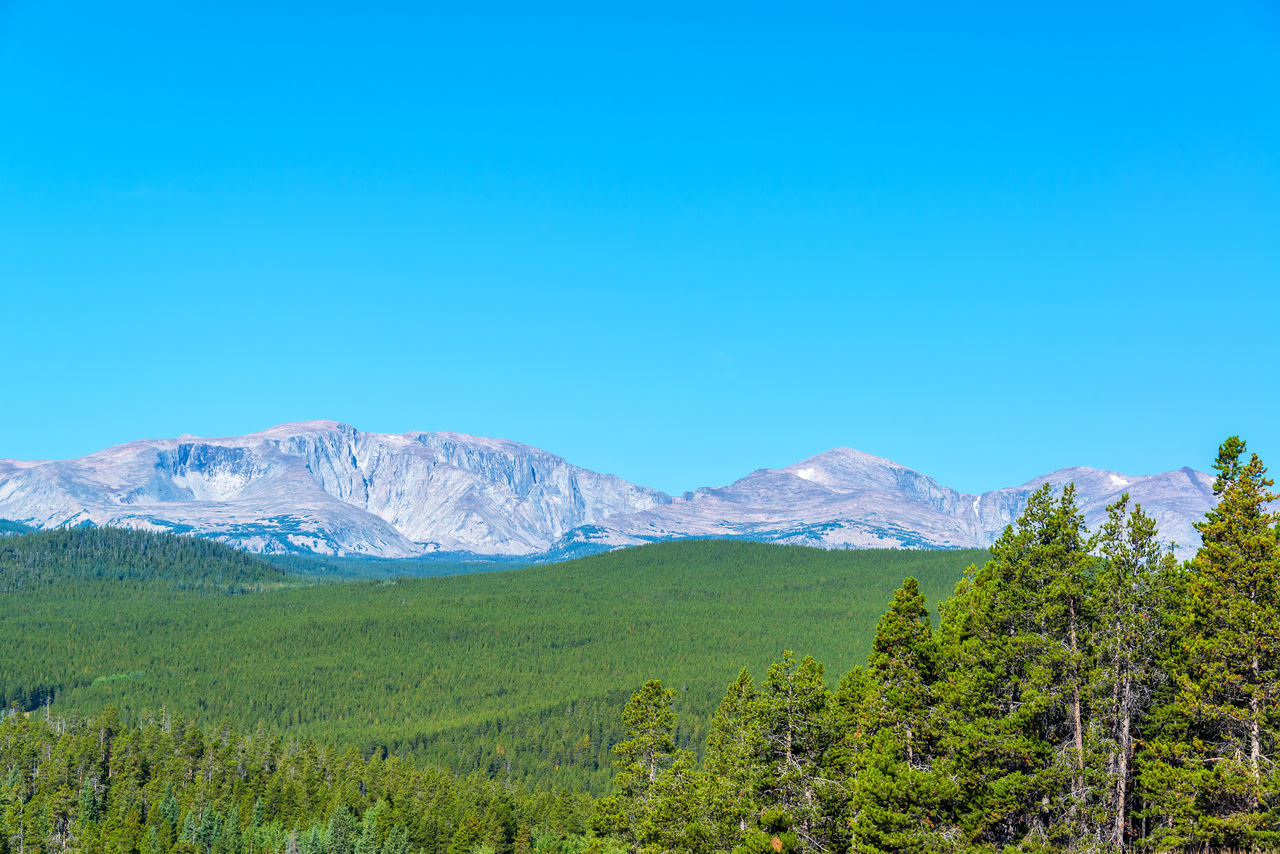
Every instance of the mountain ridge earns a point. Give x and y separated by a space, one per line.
326 487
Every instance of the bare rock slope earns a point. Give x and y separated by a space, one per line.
845 498
328 488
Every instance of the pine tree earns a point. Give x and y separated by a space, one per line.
903 667
1013 692
793 708
370 838
650 724
340 835
895 798
734 748
500 824
1128 599
677 817
1209 774
524 840
469 834
232 836
397 841
312 844
648 750
87 808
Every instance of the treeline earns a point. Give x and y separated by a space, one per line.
1080 694
166 786
10 528
31 559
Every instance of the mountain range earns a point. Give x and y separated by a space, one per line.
326 488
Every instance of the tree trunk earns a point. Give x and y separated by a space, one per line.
1122 776
1255 734
1076 716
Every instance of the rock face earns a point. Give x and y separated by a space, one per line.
327 488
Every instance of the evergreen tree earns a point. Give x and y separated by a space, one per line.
87 809
340 836
397 841
1209 774
207 830
895 798
733 755
500 825
524 841
1129 598
469 834
312 844
370 838
677 817
648 749
903 667
1016 669
792 712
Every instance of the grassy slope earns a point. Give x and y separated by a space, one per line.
524 670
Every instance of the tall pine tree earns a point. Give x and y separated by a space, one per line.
1128 599
637 810
1209 774
1012 640
793 707
895 797
733 762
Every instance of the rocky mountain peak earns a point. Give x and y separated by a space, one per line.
324 486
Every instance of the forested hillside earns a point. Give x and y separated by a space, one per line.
523 672
9 528
33 560
328 566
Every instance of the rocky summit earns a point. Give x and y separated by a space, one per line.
327 488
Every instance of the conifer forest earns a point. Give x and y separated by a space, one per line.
1071 690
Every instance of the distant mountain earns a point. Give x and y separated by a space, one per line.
845 498
327 488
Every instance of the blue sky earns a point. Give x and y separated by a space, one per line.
675 242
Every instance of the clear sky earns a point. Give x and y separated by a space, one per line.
672 241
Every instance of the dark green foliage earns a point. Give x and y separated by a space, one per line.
1081 694
166 786
328 566
891 732
1209 773
734 766
791 709
10 528
1132 594
34 560
1011 702
656 788
520 675
650 743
